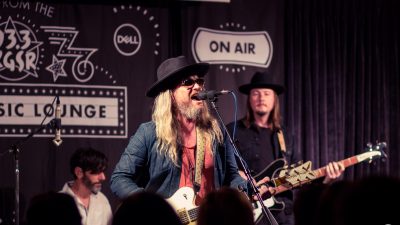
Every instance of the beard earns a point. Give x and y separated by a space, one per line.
93 187
189 111
261 113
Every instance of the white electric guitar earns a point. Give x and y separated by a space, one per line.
183 203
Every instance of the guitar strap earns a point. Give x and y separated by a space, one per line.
281 140
200 147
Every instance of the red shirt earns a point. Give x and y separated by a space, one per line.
188 171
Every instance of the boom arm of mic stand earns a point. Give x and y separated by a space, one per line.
265 210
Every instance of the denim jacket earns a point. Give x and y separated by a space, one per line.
142 167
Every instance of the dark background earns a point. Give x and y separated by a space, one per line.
339 60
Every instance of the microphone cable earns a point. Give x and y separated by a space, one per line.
234 115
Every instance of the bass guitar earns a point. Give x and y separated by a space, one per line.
289 177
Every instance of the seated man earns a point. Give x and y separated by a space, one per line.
87 167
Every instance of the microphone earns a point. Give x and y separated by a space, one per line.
57 124
211 94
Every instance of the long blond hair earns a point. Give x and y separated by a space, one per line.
167 126
274 119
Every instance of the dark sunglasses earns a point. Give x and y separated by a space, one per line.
191 82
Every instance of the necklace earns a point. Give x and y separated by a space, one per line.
189 154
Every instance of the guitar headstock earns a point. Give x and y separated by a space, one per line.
376 151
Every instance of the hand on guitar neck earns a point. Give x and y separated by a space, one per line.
333 171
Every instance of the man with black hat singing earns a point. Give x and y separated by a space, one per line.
261 138
183 145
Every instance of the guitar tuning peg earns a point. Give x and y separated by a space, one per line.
369 145
380 145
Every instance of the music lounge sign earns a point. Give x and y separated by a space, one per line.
86 110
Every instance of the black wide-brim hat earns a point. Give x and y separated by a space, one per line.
172 71
262 80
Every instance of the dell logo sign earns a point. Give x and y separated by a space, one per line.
127 39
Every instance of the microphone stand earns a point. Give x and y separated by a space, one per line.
265 210
15 150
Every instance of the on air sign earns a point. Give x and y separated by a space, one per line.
229 47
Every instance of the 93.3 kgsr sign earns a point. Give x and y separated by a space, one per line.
19 51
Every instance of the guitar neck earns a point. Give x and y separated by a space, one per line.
321 172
